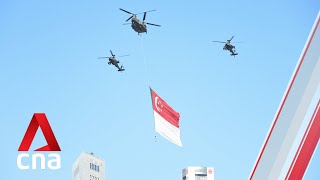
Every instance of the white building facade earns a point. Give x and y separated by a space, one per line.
88 167
198 173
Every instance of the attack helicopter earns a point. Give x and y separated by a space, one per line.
228 46
114 61
138 25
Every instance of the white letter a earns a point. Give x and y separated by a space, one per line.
57 160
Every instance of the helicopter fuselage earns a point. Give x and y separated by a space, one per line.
138 26
115 62
228 46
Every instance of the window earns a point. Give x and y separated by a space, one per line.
201 177
94 167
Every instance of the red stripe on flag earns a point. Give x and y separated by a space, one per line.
284 100
164 110
306 147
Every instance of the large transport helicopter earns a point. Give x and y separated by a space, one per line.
138 25
228 46
114 61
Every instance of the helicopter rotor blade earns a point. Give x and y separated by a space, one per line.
103 57
154 24
231 38
150 11
126 11
129 18
219 41
146 11
123 55
144 16
112 53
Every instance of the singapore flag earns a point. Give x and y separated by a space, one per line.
166 119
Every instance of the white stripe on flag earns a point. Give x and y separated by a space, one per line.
166 129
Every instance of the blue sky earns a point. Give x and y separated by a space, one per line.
49 64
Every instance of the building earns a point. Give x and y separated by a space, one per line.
198 173
88 167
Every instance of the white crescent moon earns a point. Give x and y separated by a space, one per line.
156 102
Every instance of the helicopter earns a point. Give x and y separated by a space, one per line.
138 25
228 46
114 61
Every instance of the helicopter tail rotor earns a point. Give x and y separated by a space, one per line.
121 68
234 54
